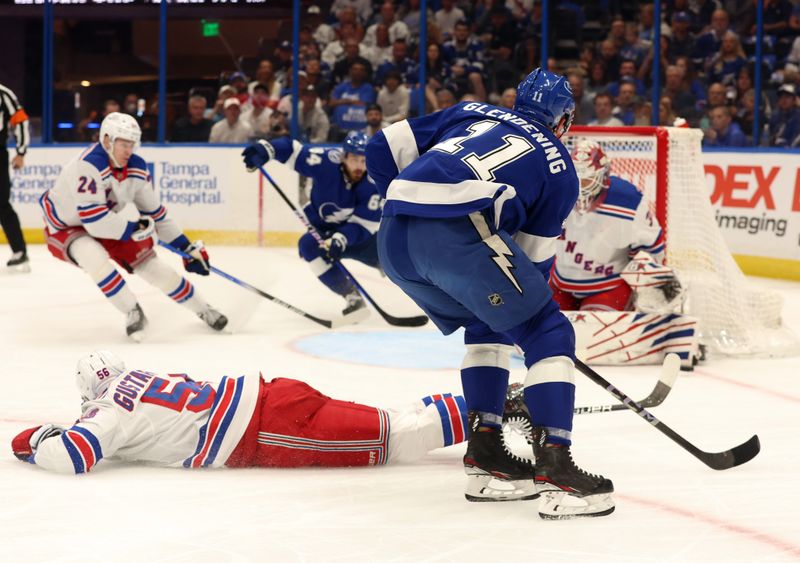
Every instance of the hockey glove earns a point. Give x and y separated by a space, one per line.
335 246
257 155
27 442
199 263
147 228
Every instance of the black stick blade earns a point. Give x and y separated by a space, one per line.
735 456
404 321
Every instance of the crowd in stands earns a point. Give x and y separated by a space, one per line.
358 68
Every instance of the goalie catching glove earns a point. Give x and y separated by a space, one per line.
656 287
27 442
335 246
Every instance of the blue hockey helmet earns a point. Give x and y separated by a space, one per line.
547 99
355 143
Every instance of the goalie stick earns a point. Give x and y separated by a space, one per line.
669 373
392 320
324 322
720 460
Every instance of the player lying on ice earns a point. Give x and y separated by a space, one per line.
172 420
103 207
475 196
344 207
610 257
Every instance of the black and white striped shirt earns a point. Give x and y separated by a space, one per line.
12 116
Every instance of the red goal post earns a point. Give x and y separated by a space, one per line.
666 164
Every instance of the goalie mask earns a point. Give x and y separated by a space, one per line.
594 172
119 126
95 372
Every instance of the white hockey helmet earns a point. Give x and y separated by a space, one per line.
119 126
594 172
95 372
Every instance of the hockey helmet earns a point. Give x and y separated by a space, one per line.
119 126
546 98
95 372
355 143
594 172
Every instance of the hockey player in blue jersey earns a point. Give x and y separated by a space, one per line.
475 197
344 207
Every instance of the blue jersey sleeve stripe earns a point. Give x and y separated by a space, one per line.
74 454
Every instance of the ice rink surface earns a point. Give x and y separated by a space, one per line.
670 507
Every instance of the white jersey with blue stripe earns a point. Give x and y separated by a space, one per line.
167 420
478 157
596 246
105 201
335 204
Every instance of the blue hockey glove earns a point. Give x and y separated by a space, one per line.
257 155
335 246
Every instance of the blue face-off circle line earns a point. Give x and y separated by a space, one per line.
419 349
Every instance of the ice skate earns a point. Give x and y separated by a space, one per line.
136 323
19 263
566 490
493 472
356 309
214 318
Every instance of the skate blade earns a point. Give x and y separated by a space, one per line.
485 488
560 505
355 317
19 269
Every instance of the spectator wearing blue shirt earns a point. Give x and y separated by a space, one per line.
398 63
784 127
627 73
349 101
626 103
729 60
708 43
724 132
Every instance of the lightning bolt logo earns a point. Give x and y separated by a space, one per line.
501 258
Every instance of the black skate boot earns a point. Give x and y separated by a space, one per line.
488 458
559 480
19 262
516 418
356 309
214 318
136 323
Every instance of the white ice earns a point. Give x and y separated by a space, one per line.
670 507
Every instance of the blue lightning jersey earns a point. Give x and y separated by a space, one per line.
478 157
335 204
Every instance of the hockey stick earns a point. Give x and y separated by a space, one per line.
324 322
392 320
669 373
721 460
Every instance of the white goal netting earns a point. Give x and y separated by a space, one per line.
666 163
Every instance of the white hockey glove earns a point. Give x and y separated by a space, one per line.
147 229
27 442
656 287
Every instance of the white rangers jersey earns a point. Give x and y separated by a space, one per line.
595 247
168 420
105 201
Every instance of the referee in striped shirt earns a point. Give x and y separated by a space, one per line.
12 117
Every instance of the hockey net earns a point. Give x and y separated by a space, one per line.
666 164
